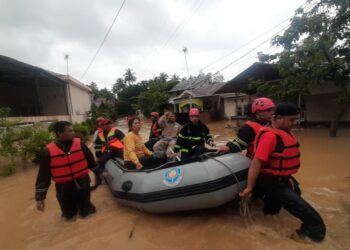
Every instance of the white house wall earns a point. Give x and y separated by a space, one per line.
81 103
230 108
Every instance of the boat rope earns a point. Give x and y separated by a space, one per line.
243 203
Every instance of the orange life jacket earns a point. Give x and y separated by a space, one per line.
285 159
111 142
256 127
68 166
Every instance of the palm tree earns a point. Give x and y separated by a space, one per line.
129 76
163 76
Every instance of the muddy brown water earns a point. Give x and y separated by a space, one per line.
324 178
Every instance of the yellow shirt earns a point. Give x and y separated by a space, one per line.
134 148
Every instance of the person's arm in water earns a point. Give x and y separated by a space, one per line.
245 136
254 171
43 180
266 146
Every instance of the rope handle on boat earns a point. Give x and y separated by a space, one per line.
243 204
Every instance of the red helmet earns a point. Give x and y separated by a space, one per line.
262 103
194 112
99 119
105 121
155 114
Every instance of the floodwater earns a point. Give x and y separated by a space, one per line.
324 179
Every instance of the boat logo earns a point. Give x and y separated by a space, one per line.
173 176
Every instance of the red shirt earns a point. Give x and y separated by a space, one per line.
266 146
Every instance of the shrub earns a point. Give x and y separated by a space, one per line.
23 143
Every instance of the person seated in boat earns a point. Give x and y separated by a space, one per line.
155 131
170 130
192 137
262 109
98 128
108 144
136 154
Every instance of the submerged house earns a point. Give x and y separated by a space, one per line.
37 95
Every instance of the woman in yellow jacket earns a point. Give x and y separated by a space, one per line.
136 155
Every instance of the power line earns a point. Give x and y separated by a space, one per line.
241 57
245 54
249 42
104 39
244 45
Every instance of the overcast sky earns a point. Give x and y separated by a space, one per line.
147 37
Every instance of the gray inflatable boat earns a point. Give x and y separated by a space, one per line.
178 186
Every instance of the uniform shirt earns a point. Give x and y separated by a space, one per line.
169 129
192 135
245 136
43 179
134 148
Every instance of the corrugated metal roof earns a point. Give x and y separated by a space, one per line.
239 83
192 83
11 67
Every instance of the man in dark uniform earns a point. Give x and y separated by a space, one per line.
67 161
262 108
192 137
276 159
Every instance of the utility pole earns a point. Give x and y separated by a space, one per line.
66 57
185 50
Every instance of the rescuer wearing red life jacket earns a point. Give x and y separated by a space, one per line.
67 162
98 128
262 108
155 131
276 159
108 144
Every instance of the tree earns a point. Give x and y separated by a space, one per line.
316 50
94 88
155 98
163 77
106 94
119 86
175 77
129 76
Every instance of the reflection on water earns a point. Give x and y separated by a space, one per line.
324 178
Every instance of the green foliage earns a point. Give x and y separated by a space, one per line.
51 127
156 96
24 142
81 129
316 49
129 76
4 113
